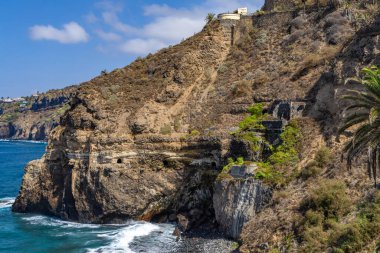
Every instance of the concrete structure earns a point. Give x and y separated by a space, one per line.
229 16
236 15
242 11
287 110
243 171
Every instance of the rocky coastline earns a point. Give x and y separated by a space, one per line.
198 133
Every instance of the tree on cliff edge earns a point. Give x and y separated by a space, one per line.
210 17
363 113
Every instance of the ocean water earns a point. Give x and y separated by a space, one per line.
32 233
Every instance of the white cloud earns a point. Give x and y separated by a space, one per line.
167 25
90 18
70 33
107 36
111 6
172 28
111 18
141 46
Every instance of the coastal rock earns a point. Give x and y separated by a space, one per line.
238 200
119 154
183 222
101 167
34 117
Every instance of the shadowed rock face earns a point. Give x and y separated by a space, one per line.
237 201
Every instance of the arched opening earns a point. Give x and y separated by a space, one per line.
166 163
119 160
213 165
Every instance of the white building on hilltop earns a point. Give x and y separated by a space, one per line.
236 15
242 11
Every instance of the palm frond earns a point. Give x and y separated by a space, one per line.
364 111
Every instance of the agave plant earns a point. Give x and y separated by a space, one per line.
364 113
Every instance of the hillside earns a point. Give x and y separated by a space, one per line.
149 141
33 118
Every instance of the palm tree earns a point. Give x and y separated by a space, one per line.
210 17
364 113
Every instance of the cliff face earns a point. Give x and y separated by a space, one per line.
122 150
150 139
238 201
34 117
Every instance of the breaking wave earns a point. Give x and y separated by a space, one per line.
6 202
121 240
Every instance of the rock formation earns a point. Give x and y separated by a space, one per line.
149 140
36 116
238 201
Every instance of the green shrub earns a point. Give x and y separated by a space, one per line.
222 69
330 199
266 173
254 121
234 246
291 137
177 124
256 109
224 174
194 133
254 141
286 154
166 129
114 88
260 12
313 218
284 157
113 100
251 122
323 209
323 157
312 169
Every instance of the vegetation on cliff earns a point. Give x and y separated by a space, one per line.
326 224
34 117
363 112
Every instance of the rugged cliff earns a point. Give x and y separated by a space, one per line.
150 139
34 117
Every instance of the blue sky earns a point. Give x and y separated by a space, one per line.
52 44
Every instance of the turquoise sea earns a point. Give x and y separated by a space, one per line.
34 233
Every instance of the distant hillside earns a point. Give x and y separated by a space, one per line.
33 117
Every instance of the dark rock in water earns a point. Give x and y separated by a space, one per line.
172 217
177 232
183 222
237 201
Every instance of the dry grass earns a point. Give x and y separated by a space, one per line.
316 59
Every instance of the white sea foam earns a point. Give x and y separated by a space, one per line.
52 222
27 141
120 240
6 202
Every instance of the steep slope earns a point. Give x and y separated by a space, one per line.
119 153
150 139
